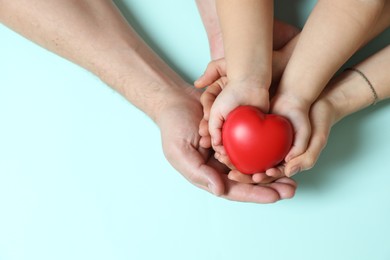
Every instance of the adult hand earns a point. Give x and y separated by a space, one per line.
207 99
178 121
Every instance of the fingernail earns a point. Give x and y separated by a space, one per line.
198 81
212 188
294 171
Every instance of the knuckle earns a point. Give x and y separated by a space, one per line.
203 97
310 161
211 65
322 139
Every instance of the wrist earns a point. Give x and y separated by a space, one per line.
256 72
348 94
285 100
143 79
250 81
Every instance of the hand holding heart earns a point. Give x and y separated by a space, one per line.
234 94
254 141
271 152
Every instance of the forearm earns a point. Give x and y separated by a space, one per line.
94 35
208 13
247 36
382 23
332 34
356 93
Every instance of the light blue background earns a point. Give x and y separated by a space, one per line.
83 176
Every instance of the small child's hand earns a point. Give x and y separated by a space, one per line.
207 99
213 73
297 111
234 93
322 118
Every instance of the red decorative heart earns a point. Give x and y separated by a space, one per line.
255 141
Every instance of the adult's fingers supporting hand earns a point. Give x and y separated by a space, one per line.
216 121
204 128
237 176
285 186
268 193
208 97
215 70
276 172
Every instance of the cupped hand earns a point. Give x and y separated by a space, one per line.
322 118
207 99
231 94
178 121
297 111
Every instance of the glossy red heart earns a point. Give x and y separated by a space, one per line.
255 141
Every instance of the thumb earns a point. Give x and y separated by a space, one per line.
191 163
215 70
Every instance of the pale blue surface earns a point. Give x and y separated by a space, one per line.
83 176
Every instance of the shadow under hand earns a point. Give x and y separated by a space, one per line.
293 12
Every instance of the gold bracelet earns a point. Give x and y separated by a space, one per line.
373 91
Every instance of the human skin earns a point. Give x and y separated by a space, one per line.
334 31
282 32
344 95
94 35
248 55
216 69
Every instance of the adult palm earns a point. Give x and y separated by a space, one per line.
179 125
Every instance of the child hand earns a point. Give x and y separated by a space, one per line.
233 94
297 111
214 72
322 118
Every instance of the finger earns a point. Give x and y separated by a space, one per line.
208 97
215 129
245 192
276 172
268 193
218 166
219 153
288 181
205 142
301 140
259 177
192 165
216 121
223 158
237 176
285 187
205 139
203 128
320 133
308 159
215 70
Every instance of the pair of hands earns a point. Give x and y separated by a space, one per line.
191 154
322 117
248 92
179 125
188 153
185 150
